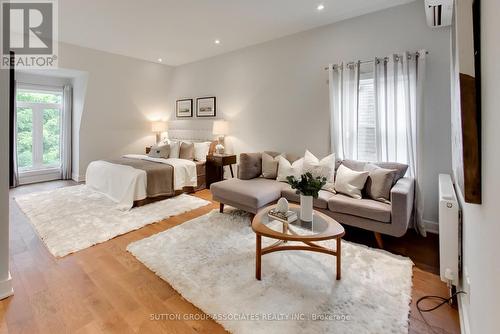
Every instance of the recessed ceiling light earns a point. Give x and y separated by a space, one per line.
160 60
217 41
320 7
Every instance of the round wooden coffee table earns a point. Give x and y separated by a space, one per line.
321 228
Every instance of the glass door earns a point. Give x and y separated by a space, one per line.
38 134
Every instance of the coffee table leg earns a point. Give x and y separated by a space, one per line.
258 255
338 258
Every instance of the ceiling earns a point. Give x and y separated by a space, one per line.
183 31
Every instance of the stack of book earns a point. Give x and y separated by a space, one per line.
287 217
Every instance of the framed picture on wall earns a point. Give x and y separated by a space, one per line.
184 108
206 107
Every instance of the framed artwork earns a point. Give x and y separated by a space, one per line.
184 108
466 115
206 107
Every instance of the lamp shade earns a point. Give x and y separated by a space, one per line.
220 128
159 126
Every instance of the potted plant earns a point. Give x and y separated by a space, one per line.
308 188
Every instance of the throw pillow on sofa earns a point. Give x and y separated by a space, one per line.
322 168
250 166
350 182
285 168
270 165
379 182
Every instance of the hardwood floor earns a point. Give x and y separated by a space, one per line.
104 289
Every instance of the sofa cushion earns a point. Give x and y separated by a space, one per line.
321 202
350 182
360 166
366 208
250 166
254 193
269 165
379 183
285 169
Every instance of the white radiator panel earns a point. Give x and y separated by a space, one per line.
449 218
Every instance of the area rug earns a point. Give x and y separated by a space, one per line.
73 218
210 261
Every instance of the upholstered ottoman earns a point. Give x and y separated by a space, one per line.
248 195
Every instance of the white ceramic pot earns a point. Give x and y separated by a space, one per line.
306 208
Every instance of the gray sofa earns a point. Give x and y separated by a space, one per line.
251 192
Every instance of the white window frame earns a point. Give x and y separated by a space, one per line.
39 172
367 78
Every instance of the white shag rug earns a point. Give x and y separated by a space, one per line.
210 261
73 218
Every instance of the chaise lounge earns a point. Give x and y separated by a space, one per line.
251 192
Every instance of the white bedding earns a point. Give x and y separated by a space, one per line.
124 184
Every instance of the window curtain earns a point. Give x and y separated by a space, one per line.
398 81
344 82
66 125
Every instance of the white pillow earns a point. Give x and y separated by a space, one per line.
201 150
285 168
175 147
350 182
322 168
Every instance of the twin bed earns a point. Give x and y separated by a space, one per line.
136 179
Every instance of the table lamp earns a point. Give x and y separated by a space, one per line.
220 129
158 127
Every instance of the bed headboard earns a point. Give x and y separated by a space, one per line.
189 130
192 131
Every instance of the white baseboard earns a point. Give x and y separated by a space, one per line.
78 178
6 289
36 176
431 227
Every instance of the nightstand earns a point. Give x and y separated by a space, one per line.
214 167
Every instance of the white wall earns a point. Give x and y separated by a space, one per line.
481 223
275 94
116 98
5 283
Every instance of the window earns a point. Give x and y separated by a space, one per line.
367 146
38 129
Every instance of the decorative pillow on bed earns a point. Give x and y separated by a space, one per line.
201 150
186 151
159 151
175 147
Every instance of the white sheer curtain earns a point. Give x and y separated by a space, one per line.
398 81
66 120
344 82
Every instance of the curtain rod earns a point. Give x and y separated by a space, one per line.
417 53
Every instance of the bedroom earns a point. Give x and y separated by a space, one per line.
157 85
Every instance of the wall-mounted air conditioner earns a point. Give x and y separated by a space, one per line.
449 231
439 13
